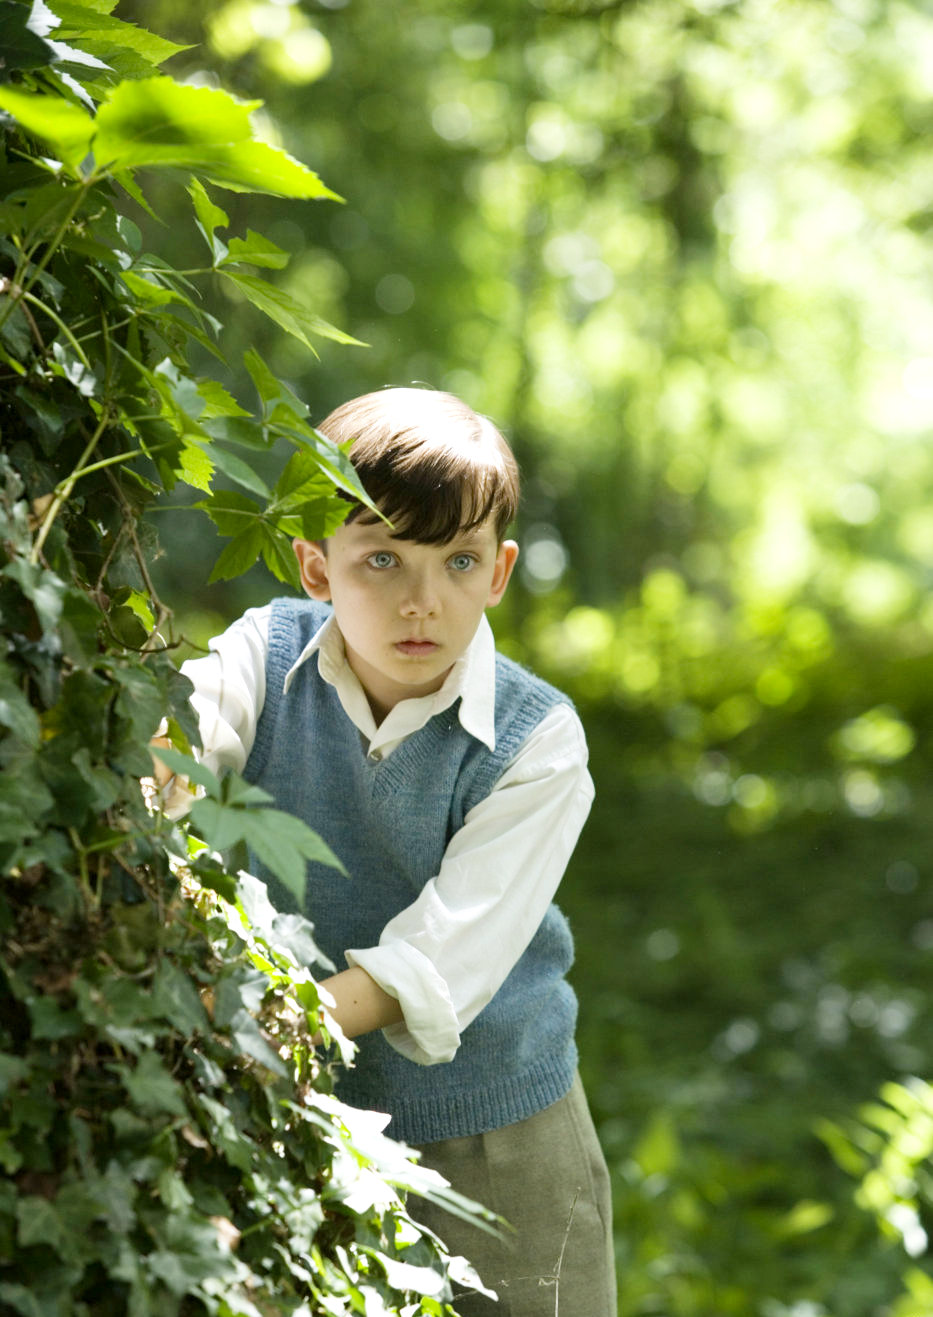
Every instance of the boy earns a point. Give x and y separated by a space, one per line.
453 785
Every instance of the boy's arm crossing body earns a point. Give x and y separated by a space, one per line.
508 859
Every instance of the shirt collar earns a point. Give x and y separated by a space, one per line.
472 680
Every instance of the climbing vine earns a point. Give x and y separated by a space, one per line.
168 1132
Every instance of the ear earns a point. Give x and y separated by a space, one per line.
312 567
505 561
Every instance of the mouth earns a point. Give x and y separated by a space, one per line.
417 648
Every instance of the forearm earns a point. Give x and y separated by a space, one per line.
360 1004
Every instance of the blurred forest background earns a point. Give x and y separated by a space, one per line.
680 252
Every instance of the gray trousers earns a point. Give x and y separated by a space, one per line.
547 1176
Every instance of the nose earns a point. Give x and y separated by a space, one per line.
419 598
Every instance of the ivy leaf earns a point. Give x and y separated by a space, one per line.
157 121
190 768
249 1038
42 588
17 713
39 1223
176 997
282 842
12 1070
239 1150
62 125
151 1088
139 701
24 800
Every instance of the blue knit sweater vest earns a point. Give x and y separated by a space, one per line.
390 823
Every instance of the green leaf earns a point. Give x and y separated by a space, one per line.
24 799
268 386
195 466
17 713
302 479
42 588
236 469
218 402
49 1020
249 1038
103 34
282 842
209 218
241 990
151 1087
239 1150
22 48
12 1070
305 491
176 997
230 512
237 557
139 604
62 125
23 1300
190 768
243 431
157 121
254 249
278 555
139 701
38 1222
287 312
148 290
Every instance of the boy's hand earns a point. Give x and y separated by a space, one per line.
160 771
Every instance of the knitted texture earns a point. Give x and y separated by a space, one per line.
390 823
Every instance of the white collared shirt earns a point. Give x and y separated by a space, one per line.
445 955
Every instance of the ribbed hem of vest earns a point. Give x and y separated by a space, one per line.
458 1115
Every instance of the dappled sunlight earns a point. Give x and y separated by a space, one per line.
681 253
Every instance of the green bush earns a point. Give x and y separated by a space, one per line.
169 1135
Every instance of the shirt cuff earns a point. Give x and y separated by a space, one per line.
429 1033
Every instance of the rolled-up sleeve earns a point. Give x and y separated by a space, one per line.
230 690
446 955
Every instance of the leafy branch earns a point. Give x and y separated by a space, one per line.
168 1130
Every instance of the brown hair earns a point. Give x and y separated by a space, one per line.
432 465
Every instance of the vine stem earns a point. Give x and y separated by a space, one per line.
84 872
129 525
63 489
17 290
56 319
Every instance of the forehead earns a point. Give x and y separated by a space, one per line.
360 531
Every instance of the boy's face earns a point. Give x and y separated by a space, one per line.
406 611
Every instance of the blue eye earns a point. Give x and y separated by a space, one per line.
381 559
462 562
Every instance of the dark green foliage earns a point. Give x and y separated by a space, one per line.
168 1133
